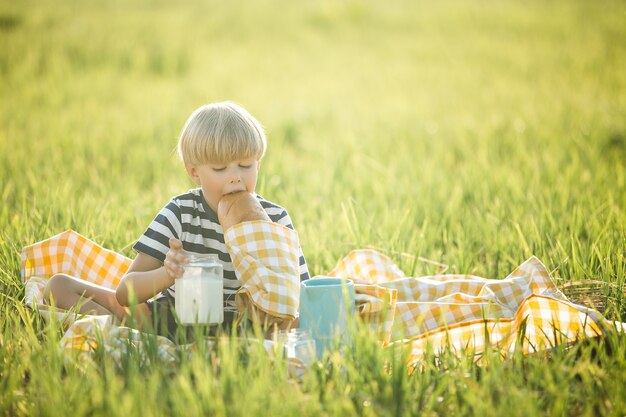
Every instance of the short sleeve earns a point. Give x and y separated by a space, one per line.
166 225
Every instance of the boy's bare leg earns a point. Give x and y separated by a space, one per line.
67 292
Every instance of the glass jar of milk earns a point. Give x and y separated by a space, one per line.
200 291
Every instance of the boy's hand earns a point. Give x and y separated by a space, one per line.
239 207
174 258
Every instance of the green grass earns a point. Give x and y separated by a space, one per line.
474 134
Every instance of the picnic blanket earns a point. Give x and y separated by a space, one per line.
466 313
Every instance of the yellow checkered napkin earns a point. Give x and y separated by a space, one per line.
265 258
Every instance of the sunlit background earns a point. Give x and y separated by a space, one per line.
470 133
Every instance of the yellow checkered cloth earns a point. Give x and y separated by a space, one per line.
92 332
72 254
265 256
523 311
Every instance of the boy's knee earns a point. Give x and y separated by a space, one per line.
55 285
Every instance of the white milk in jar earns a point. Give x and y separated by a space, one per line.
200 291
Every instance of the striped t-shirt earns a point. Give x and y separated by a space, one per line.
189 219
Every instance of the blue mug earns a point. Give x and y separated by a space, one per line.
326 310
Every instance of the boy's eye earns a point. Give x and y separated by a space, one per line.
219 169
245 166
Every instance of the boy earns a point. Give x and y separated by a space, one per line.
221 146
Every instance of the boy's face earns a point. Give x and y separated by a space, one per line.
217 180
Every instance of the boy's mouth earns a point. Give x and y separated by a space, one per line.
234 192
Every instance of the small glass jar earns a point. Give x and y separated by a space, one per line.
299 346
200 291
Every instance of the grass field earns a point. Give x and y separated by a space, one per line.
473 134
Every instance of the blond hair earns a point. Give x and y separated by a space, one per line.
219 133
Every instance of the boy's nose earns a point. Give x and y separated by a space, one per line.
235 180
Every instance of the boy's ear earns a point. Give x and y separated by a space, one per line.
193 172
258 165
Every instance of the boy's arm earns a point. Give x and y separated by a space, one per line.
146 276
